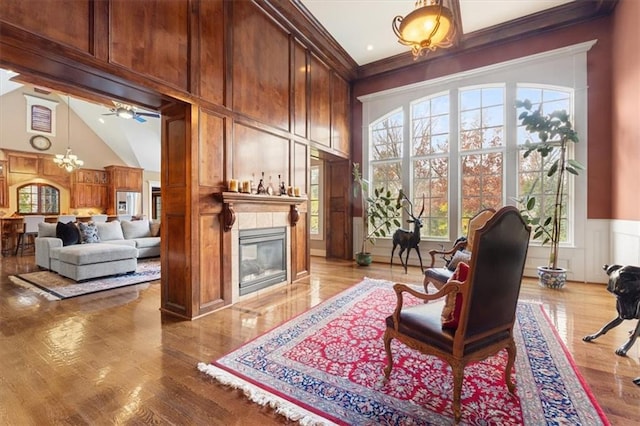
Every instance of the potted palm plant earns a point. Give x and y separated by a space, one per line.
554 133
379 213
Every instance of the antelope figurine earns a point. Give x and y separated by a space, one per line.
406 239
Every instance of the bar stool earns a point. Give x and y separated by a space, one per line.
99 218
26 238
67 218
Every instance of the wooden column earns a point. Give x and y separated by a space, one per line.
193 266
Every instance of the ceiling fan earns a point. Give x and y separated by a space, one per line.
129 112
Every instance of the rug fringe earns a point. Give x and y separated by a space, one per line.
21 283
281 406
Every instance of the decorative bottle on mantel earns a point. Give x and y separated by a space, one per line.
270 190
261 188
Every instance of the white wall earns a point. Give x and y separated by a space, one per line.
84 142
150 179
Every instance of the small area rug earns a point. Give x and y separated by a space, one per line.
60 287
325 367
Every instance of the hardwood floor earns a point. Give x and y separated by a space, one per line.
112 358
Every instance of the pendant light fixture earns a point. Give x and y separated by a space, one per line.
68 160
429 26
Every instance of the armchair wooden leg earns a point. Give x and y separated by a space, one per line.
387 348
511 352
458 375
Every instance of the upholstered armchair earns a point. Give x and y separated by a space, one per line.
438 276
487 306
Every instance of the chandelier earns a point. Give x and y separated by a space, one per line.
68 161
429 26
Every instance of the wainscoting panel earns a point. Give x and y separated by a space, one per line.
598 250
625 242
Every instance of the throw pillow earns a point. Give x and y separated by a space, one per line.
453 302
109 231
47 229
135 229
154 228
459 256
88 232
68 233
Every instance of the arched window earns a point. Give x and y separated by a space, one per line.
38 198
456 142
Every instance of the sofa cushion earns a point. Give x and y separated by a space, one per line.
47 229
96 253
88 232
441 275
136 229
459 256
68 233
130 243
147 242
108 231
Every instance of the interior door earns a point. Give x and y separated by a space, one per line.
338 210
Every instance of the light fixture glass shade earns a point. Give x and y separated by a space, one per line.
68 161
429 26
124 113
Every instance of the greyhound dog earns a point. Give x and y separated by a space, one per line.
624 283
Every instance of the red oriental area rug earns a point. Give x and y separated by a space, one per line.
326 367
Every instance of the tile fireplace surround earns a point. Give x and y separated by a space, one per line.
246 211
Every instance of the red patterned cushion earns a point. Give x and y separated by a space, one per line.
453 301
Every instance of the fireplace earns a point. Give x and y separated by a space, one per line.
262 258
268 223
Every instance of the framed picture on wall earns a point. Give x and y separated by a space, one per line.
41 115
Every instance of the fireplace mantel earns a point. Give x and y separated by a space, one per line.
231 198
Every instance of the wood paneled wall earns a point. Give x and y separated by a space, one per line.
241 92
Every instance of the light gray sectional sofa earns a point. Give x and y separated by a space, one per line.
107 248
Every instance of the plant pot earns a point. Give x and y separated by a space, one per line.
552 278
363 259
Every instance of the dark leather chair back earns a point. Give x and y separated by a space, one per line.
500 251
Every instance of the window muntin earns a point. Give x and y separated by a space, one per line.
38 198
532 171
430 135
386 152
482 149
